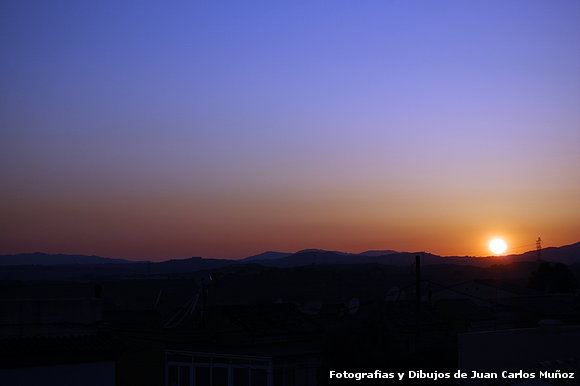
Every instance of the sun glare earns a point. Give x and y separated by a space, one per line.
497 246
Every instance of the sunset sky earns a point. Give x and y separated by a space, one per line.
153 129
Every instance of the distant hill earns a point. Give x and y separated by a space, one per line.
267 256
567 254
187 265
279 255
104 268
270 255
314 250
42 266
378 252
40 258
317 257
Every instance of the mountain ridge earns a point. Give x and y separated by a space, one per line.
42 258
567 254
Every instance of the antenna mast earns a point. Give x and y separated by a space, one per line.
539 249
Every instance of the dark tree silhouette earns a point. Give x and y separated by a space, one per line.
552 277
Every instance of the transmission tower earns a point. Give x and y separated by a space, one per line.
539 248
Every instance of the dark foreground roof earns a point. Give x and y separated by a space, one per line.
43 351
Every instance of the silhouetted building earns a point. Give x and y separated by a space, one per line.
548 348
49 336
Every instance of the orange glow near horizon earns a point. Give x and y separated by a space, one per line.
161 228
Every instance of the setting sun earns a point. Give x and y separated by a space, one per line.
497 246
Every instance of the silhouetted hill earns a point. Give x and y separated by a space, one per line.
86 271
567 254
271 255
314 250
310 257
40 258
187 265
378 252
39 266
266 256
317 257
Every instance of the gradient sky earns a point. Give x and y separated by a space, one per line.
154 129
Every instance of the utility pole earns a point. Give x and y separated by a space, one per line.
418 280
418 299
539 249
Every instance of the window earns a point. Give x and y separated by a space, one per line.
219 376
178 376
173 376
258 377
205 369
202 376
241 376
183 376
